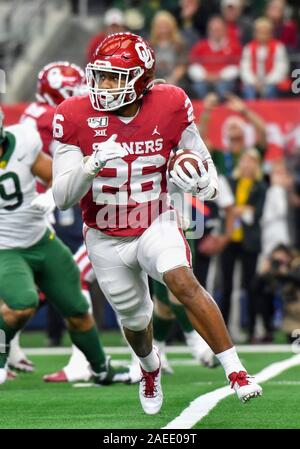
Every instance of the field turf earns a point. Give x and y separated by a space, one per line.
29 403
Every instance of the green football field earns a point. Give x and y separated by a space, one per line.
29 403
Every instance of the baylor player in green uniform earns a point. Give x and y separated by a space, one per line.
31 255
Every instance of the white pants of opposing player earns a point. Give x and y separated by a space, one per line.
121 265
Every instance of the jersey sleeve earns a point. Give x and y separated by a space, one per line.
183 113
64 124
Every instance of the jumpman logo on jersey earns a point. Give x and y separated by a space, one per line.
155 131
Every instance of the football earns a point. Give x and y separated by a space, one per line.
183 156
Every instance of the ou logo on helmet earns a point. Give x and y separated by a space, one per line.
145 54
55 78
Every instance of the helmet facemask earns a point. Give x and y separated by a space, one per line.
112 99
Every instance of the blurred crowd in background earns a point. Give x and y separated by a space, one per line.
226 52
248 48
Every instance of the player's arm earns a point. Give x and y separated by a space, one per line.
73 174
71 179
42 169
205 184
188 137
191 139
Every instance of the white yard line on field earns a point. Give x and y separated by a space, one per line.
169 349
201 406
285 382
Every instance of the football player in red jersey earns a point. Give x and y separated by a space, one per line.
57 81
113 155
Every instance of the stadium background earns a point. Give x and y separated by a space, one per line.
36 32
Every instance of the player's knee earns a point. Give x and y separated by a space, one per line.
124 298
81 323
17 318
137 318
134 312
21 307
136 323
24 315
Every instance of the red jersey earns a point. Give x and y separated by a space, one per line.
128 193
40 116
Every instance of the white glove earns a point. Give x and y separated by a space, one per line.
108 150
197 185
44 202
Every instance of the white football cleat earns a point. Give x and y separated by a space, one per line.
24 365
68 375
17 359
135 374
207 358
150 391
165 365
244 387
200 350
58 376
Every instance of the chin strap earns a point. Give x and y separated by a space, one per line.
151 84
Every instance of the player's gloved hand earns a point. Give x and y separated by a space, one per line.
44 202
198 185
108 150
